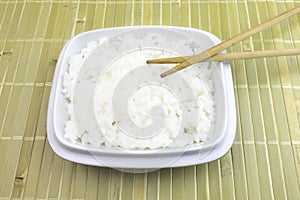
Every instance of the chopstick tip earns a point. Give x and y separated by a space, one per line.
167 73
162 76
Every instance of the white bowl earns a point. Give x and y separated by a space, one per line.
219 140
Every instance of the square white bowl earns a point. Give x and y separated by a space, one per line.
220 138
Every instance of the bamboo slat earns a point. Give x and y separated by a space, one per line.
296 152
119 14
98 17
227 182
175 14
42 117
4 150
289 170
253 184
189 191
147 12
127 186
128 15
156 13
29 189
92 183
55 181
178 186
137 13
116 182
264 173
194 14
11 112
109 15
81 172
80 19
152 185
2 12
166 14
165 183
9 178
202 182
104 183
139 185
214 180
6 20
240 180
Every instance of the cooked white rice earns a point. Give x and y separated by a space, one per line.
142 100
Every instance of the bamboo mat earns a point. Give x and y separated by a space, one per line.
264 161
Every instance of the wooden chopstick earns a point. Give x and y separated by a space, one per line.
230 56
216 49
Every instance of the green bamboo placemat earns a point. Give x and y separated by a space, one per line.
264 161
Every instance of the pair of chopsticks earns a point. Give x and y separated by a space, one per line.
211 54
